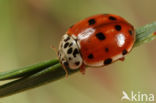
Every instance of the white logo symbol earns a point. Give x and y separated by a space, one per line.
125 96
137 96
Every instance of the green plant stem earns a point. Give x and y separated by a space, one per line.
50 74
41 73
26 71
145 34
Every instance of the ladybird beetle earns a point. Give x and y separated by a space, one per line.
96 41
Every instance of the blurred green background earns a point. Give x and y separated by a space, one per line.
29 27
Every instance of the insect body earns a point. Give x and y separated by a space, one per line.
96 41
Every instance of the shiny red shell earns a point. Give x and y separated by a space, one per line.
102 42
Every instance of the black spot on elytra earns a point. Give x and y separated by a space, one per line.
100 36
66 45
69 51
118 27
90 56
67 39
112 18
91 21
75 52
77 63
130 32
106 49
108 61
124 52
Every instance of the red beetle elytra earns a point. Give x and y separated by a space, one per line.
96 41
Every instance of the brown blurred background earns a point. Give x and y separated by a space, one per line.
29 27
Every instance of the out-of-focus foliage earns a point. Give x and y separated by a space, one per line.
29 27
